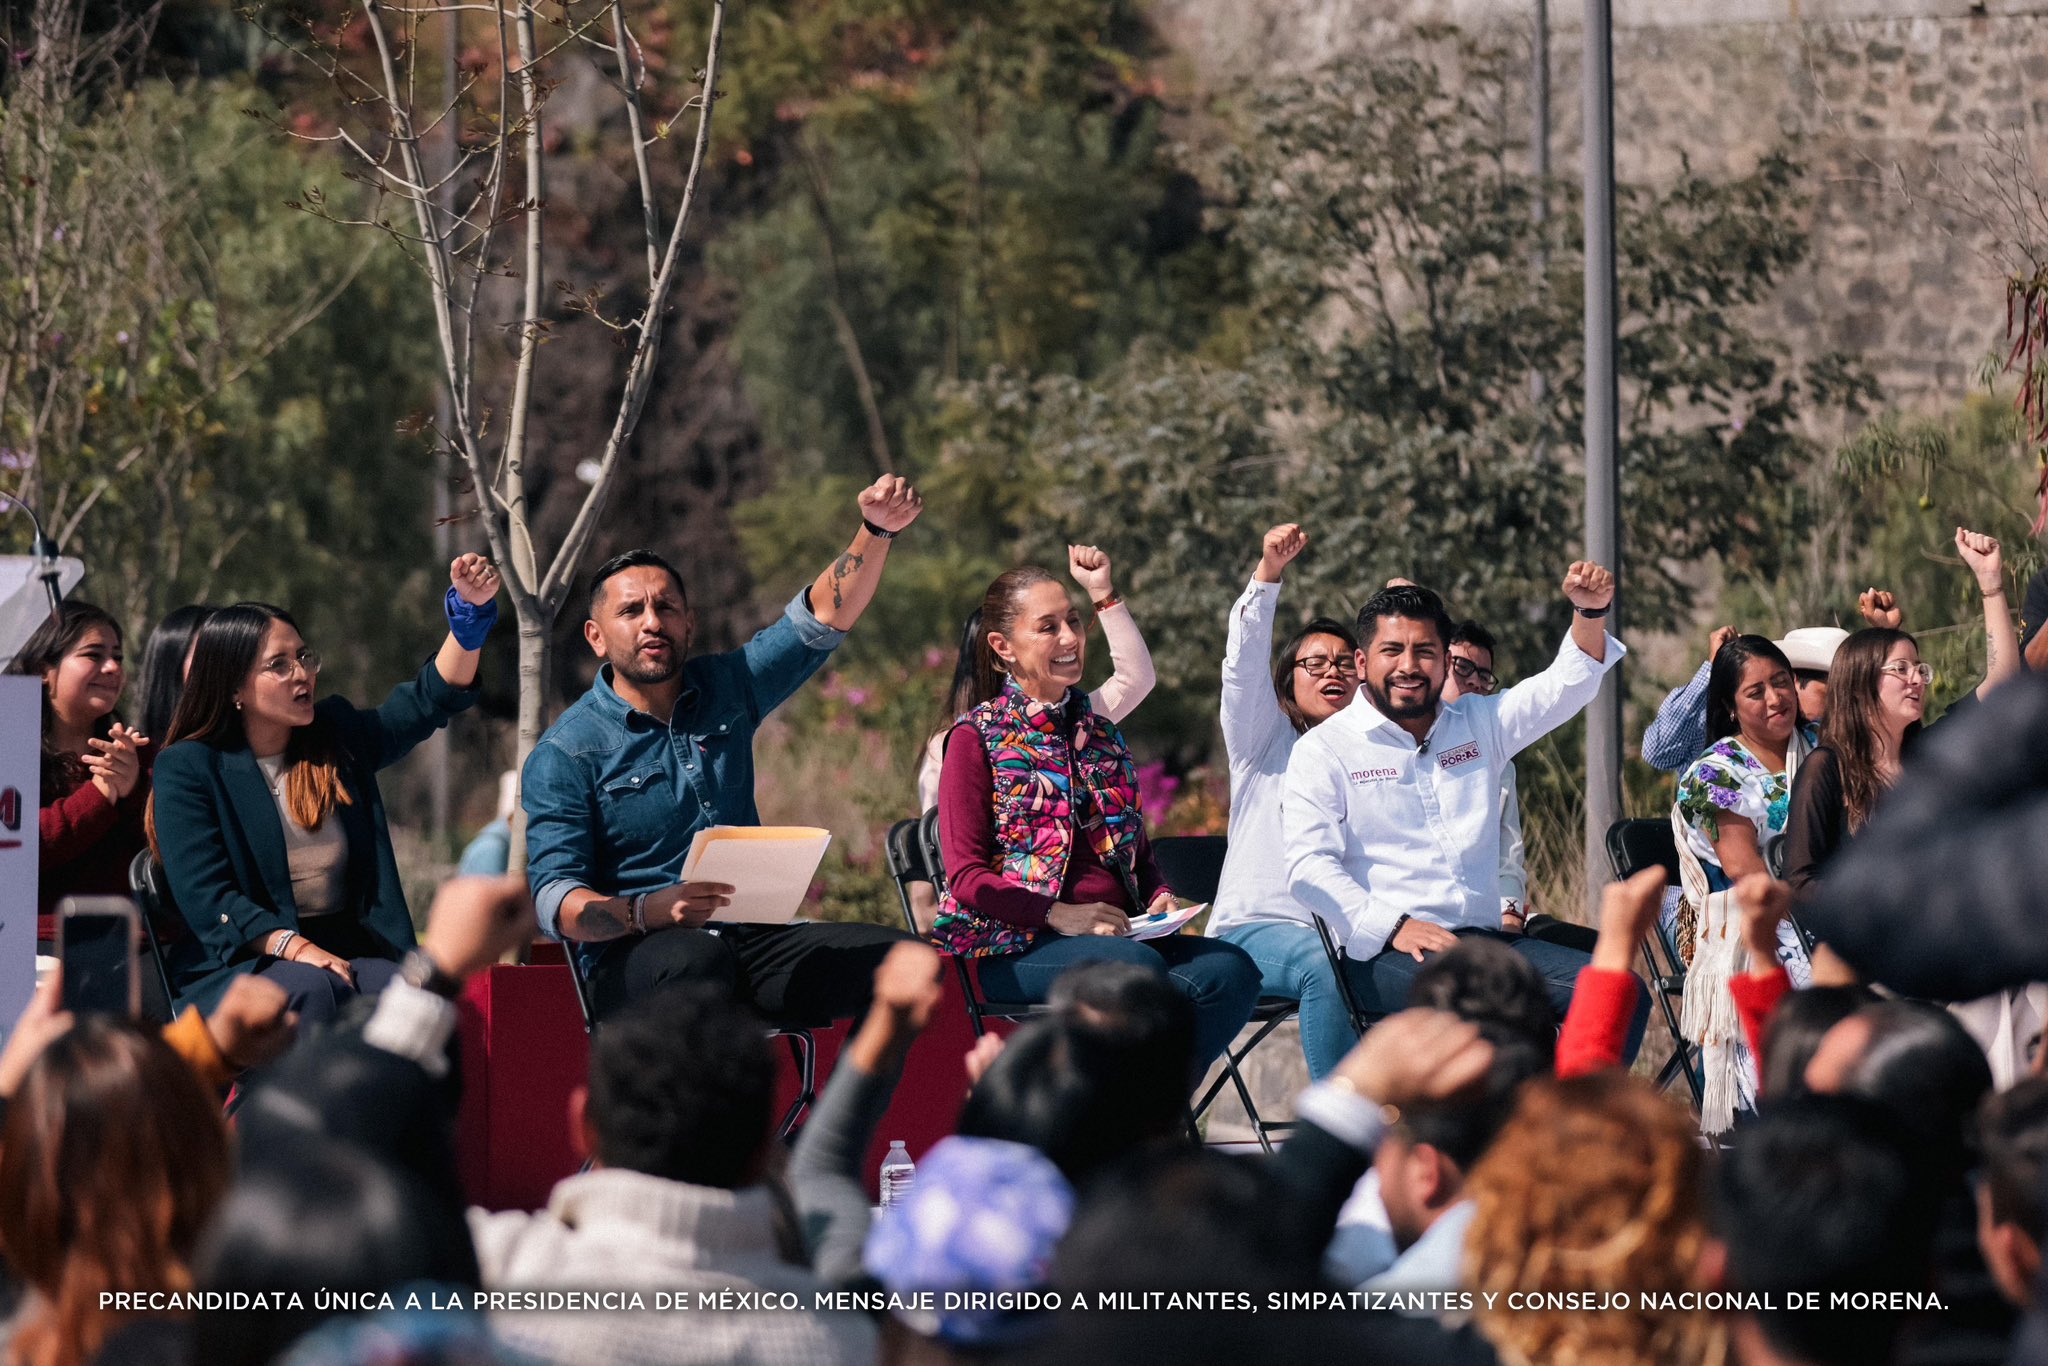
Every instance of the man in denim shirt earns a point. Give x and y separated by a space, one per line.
662 746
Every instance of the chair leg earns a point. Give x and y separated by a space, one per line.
803 1049
1233 1056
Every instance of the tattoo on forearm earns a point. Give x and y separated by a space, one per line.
843 568
596 923
1991 655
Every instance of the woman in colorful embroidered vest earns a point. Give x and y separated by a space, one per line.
1039 824
266 813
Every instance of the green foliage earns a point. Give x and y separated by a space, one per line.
1386 398
229 378
1889 509
947 187
1394 359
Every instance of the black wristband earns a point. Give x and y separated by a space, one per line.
1592 613
874 530
423 972
1396 930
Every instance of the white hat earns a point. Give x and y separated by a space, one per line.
1813 647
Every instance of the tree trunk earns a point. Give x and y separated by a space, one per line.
534 667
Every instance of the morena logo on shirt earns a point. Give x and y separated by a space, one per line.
1463 754
1374 775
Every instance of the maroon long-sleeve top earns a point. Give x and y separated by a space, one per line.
967 842
87 844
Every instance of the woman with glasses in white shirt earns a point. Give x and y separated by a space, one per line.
266 814
1270 701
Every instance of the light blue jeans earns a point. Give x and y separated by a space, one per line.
1292 963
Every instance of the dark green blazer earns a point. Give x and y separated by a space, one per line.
221 838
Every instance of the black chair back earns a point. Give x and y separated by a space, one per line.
1191 864
928 840
903 852
1633 845
153 898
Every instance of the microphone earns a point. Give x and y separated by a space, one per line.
1423 748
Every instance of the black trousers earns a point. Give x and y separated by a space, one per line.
803 974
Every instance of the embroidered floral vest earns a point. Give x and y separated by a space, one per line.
1048 778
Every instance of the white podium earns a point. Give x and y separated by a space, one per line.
25 602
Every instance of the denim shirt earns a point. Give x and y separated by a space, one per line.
613 796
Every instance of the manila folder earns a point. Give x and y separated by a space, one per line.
770 868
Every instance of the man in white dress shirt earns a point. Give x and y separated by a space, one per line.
1392 813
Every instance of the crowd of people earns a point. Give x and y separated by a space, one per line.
1474 1174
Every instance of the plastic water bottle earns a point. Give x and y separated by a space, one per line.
898 1171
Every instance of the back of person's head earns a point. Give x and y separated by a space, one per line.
998 616
1724 680
323 1215
1464 1128
163 667
632 559
1853 728
960 693
983 1217
1593 1186
1077 1095
1486 983
1184 1219
1923 1067
1821 1194
1289 654
1403 600
1133 1005
1795 1030
112 1160
681 1085
2012 1129
337 1088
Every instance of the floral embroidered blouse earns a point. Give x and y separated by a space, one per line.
1729 779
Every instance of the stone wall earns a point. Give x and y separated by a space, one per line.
1907 113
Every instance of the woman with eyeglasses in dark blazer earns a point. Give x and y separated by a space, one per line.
266 814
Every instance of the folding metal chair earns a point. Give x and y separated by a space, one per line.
1193 867
1633 845
912 853
803 1045
153 899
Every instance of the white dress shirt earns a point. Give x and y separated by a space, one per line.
1377 827
1257 737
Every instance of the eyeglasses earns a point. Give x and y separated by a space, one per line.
284 667
1481 681
1922 673
1318 665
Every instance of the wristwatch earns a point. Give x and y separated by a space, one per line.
1115 599
418 970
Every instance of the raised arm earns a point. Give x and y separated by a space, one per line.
1250 711
844 590
1131 673
2001 643
1536 706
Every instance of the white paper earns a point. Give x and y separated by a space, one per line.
1164 923
769 867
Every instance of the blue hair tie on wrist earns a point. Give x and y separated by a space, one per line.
469 624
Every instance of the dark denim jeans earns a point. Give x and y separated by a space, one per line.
1219 978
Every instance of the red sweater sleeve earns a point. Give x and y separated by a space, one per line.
1596 1026
1755 999
967 838
72 825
